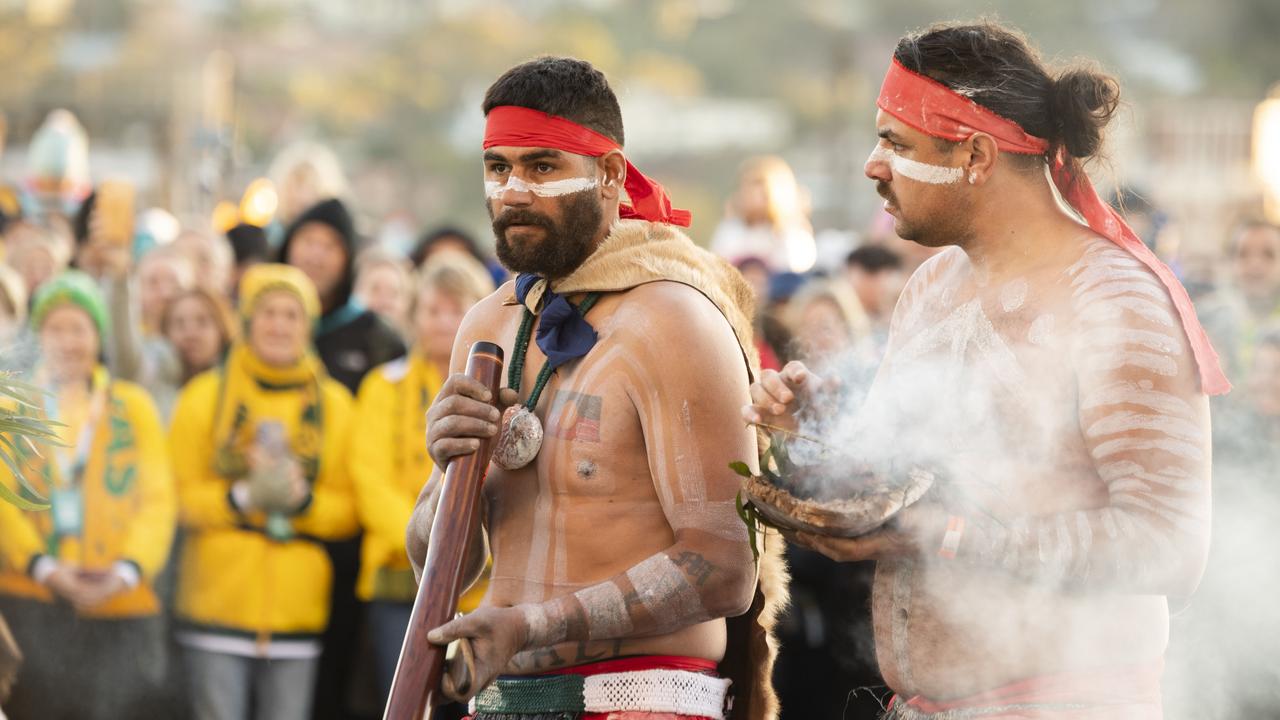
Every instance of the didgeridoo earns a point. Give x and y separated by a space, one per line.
416 687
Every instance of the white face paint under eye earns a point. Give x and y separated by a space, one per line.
918 171
494 189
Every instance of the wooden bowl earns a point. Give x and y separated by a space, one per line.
858 514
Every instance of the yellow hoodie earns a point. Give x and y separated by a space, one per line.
234 579
127 495
390 465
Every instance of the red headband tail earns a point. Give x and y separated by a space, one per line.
936 110
513 126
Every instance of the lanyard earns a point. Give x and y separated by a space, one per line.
71 464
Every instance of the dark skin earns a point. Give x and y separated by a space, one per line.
1067 553
686 574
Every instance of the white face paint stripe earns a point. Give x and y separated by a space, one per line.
916 170
555 188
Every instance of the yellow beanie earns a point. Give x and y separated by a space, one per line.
266 277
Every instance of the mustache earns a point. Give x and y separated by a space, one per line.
882 188
521 216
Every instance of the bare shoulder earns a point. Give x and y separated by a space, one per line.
672 306
488 315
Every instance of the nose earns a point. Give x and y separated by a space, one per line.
877 165
516 193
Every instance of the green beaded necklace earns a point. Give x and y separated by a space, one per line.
515 371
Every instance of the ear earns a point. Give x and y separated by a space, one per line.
982 151
613 165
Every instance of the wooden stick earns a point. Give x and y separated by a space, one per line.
415 690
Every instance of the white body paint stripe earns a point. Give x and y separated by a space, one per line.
1128 393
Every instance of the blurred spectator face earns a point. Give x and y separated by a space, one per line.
278 328
212 256
822 331
36 257
449 244
301 190
753 199
436 321
756 274
1264 380
69 343
1256 263
161 277
193 331
317 250
877 291
768 193
383 289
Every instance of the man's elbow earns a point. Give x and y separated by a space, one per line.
415 541
734 593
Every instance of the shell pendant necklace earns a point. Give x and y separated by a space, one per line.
521 436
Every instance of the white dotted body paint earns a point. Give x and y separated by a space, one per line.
916 170
494 189
606 609
1013 295
1040 330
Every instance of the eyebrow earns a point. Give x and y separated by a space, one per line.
889 135
531 156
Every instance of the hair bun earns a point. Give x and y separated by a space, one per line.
1082 101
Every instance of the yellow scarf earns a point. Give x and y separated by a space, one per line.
421 382
243 377
106 478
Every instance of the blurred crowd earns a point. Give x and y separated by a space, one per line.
241 406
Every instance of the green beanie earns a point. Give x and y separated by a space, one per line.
71 286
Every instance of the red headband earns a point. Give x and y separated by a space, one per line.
513 126
936 110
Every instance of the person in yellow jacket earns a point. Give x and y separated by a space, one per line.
262 480
76 579
389 461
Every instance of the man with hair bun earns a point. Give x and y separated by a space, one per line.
1052 374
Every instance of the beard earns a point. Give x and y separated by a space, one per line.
938 229
563 246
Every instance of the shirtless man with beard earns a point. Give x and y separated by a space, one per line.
617 550
1055 377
